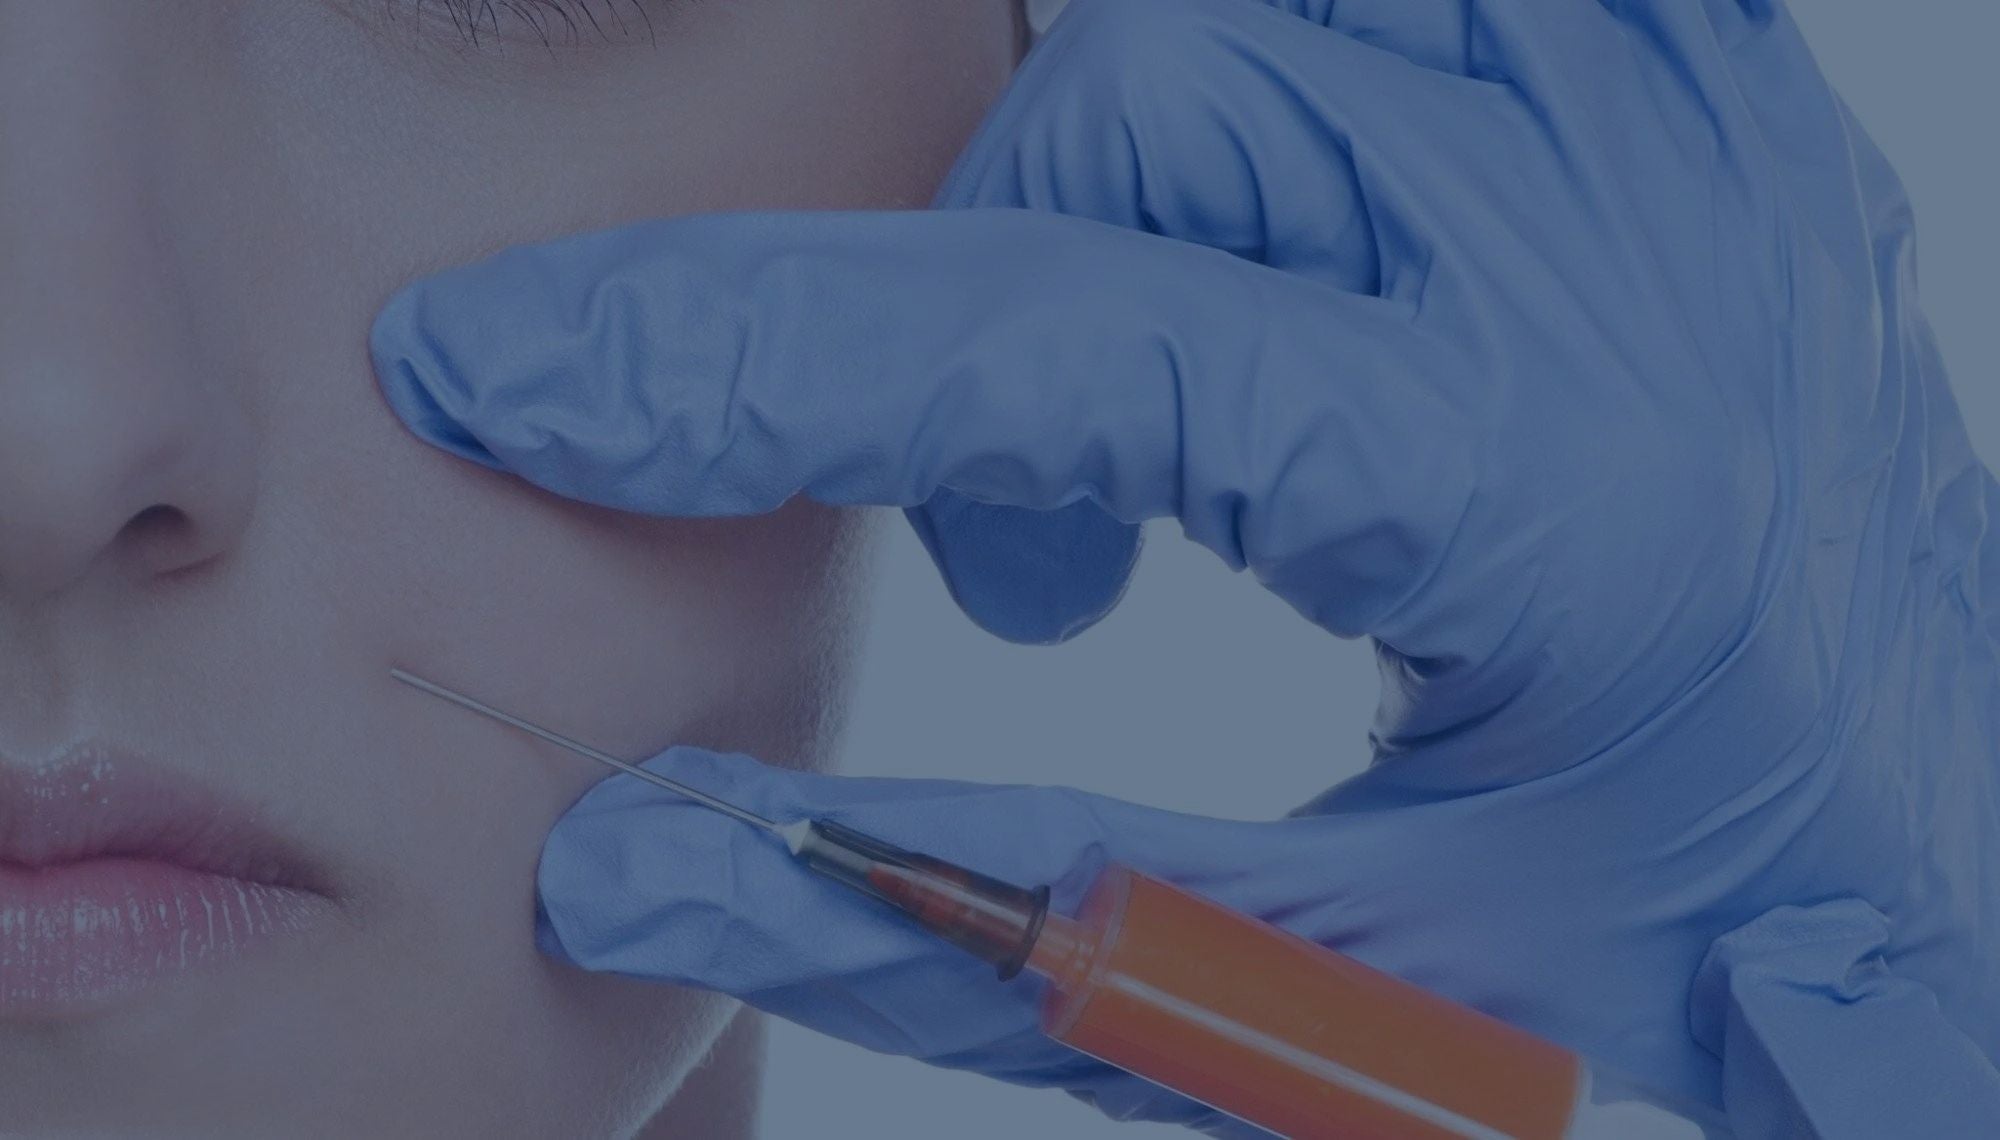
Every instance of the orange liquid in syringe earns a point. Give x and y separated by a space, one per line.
1283 1033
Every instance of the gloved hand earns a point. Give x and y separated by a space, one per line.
1569 350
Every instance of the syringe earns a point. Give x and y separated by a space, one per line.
1225 1009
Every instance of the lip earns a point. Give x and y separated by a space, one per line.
117 874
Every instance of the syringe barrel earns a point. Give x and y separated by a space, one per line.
1287 1034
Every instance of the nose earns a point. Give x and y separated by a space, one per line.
124 446
111 458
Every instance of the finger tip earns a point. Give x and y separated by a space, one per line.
415 374
548 938
1029 577
396 344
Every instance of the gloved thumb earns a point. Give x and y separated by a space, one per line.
637 881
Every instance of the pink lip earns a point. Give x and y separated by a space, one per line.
115 874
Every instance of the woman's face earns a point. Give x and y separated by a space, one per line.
215 541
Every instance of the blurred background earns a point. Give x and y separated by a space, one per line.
1201 693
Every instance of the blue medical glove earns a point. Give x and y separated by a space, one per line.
1568 350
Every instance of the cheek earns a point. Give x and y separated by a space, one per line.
629 634
734 626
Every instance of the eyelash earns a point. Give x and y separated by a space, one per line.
471 16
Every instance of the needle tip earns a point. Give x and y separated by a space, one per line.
412 680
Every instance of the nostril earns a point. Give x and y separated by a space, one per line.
161 537
156 520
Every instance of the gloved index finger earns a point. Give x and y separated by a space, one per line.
720 365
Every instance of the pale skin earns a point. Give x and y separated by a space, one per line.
215 540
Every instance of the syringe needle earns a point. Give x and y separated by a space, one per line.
561 741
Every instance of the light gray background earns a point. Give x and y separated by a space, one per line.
1203 694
